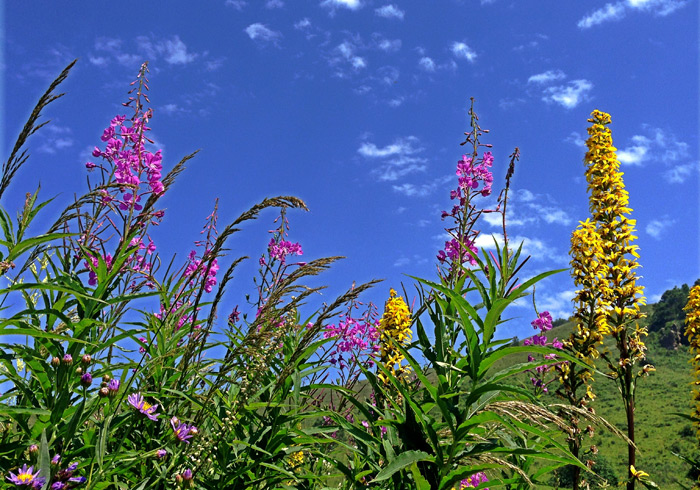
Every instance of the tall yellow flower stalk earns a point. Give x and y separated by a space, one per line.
692 331
395 330
603 262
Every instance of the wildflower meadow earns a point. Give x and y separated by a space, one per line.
123 368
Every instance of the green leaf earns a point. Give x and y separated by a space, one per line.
407 458
421 483
8 410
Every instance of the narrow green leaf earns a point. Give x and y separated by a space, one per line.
407 458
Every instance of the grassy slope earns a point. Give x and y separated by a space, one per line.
658 433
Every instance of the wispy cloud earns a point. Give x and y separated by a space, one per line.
347 52
274 4
654 144
427 63
390 12
570 95
397 159
302 24
172 50
412 190
527 208
607 13
462 51
547 77
682 172
618 10
536 248
349 4
55 138
237 4
389 45
657 227
260 32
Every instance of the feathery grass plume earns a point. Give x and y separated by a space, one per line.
395 330
608 299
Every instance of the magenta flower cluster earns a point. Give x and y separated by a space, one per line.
196 268
474 481
543 323
126 153
356 339
279 250
473 177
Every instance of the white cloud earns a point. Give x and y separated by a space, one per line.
461 50
390 12
659 7
547 77
349 4
55 138
171 109
412 190
680 173
608 12
526 208
347 52
534 247
633 155
618 10
568 96
402 146
655 228
657 144
274 4
302 24
427 63
237 4
172 50
261 32
175 51
396 101
389 45
576 139
398 159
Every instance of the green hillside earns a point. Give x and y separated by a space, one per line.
658 432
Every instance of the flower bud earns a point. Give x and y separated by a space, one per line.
104 392
86 359
68 359
187 474
178 478
33 449
78 370
55 362
86 380
106 378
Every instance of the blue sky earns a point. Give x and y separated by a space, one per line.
358 107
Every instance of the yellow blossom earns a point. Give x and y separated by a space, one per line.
395 330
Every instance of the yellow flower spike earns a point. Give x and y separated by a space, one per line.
395 330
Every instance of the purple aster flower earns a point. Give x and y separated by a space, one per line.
56 459
27 478
137 401
160 454
181 430
113 387
59 485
